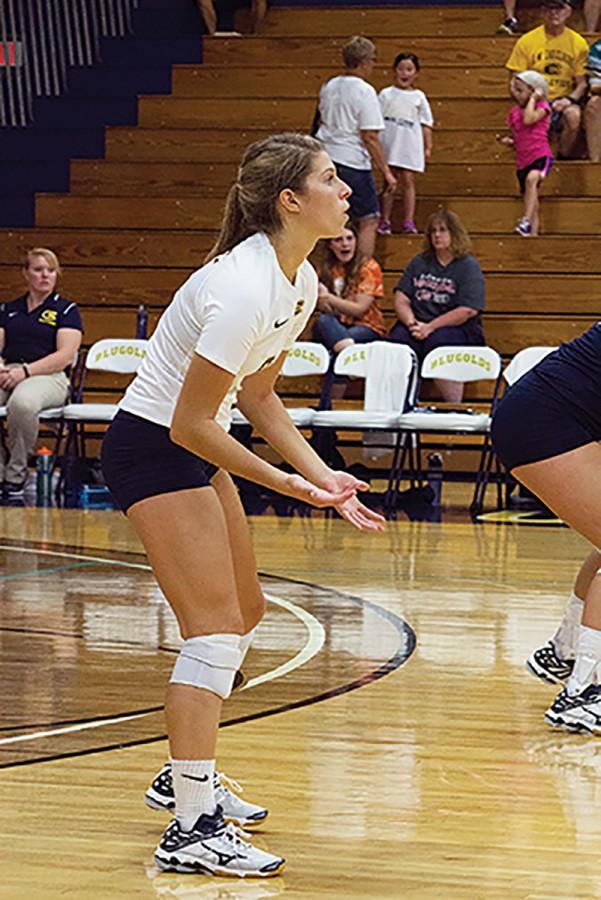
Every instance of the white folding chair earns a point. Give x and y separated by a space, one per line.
465 364
522 362
390 372
121 356
305 358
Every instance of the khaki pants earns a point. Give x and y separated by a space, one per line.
23 405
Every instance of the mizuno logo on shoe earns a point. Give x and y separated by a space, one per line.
278 323
195 777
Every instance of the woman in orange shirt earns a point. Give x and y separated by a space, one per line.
350 286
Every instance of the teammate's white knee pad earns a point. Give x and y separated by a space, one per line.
209 662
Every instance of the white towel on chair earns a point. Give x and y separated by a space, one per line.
385 388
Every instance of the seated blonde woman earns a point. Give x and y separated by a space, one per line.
40 334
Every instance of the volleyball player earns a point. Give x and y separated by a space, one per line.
168 453
546 431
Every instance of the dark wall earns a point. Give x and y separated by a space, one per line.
71 126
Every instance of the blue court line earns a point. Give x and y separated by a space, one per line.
50 571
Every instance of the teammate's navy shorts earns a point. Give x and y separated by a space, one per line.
139 460
364 201
553 408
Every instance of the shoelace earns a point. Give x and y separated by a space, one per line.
237 837
228 784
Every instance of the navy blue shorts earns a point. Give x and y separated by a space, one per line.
139 460
364 199
553 408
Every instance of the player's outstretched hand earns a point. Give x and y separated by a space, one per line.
359 515
338 481
302 489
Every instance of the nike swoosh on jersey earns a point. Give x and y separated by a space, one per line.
11 314
195 777
279 323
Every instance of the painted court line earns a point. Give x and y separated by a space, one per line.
315 640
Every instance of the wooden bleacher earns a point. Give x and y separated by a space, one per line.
137 223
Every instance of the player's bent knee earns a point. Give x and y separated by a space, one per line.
209 662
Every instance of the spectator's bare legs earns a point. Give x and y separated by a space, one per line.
387 196
209 16
451 391
258 10
533 180
366 238
408 183
592 11
592 124
339 387
571 119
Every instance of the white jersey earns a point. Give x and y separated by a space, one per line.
239 311
348 105
404 111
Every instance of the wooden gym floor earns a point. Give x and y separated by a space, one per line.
389 723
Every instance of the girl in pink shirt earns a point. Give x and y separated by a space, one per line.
529 121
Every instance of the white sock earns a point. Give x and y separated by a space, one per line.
194 789
246 640
588 657
565 638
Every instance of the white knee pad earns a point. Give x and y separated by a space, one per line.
209 662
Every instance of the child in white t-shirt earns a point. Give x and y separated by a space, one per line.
407 138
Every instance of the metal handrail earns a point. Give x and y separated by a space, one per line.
40 40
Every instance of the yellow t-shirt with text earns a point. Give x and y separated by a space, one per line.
560 59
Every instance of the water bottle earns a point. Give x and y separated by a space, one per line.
434 477
44 466
142 322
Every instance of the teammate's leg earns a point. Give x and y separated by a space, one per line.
554 662
570 485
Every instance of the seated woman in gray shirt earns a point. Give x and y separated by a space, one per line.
440 296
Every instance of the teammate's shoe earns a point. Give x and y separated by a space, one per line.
214 848
548 666
579 713
160 796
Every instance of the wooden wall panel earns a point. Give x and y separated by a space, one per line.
294 51
227 145
283 114
110 247
265 81
193 179
405 21
489 216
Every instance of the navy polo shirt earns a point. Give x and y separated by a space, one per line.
32 335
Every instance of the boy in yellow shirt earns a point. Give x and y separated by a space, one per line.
560 54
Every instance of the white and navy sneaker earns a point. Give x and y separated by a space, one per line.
581 713
160 796
214 848
548 666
